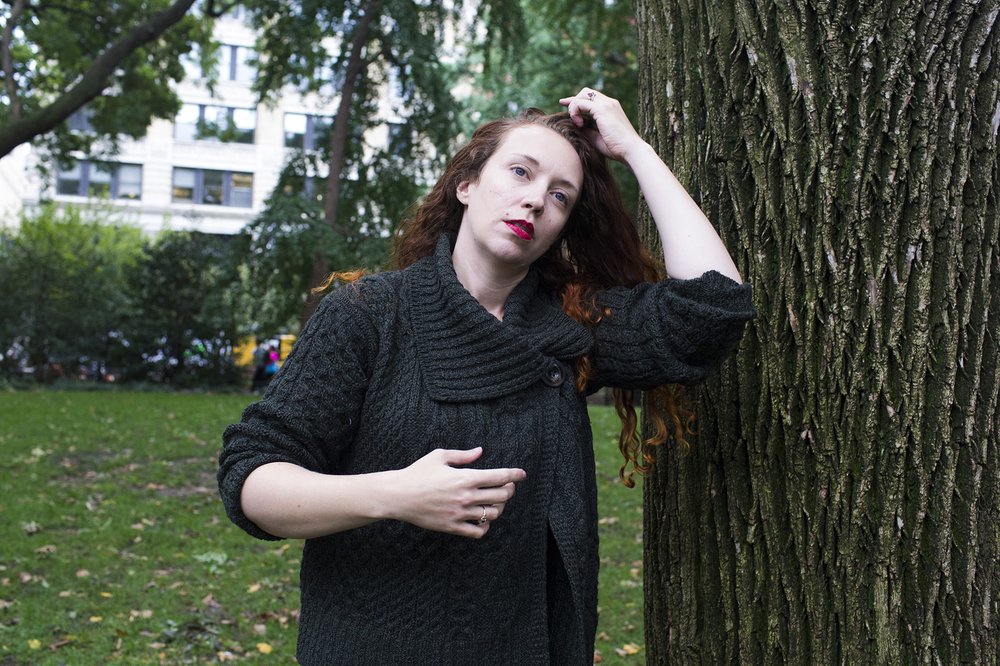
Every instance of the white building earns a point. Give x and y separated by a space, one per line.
177 177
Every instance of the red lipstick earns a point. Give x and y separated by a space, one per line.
522 228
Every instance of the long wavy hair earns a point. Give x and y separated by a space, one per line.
599 248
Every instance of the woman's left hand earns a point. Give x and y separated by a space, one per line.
612 133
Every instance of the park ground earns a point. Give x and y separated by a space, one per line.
114 547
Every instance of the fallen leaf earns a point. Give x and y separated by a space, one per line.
260 629
106 595
34 644
225 655
31 527
47 549
255 587
82 573
94 619
61 643
264 648
627 650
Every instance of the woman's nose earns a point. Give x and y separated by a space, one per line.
534 199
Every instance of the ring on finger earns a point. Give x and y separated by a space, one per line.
482 518
590 95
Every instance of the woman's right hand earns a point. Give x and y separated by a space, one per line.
434 493
437 493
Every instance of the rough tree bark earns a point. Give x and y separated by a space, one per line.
841 502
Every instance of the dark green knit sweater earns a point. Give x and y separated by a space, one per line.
406 362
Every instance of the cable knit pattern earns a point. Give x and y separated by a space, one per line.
405 362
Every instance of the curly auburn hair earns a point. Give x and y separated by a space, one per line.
599 248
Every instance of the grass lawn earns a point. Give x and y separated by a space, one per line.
114 546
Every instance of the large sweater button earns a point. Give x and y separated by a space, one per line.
554 375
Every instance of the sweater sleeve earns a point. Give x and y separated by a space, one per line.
674 331
309 412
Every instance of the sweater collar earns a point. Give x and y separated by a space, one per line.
466 353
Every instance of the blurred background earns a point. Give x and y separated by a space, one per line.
167 204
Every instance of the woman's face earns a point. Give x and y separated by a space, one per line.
522 200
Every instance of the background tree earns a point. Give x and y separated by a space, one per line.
569 45
59 56
840 504
352 52
64 278
184 311
278 248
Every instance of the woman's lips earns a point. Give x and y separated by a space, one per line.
525 230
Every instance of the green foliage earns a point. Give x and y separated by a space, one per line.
570 45
114 547
184 309
401 55
56 42
83 288
278 248
64 275
294 49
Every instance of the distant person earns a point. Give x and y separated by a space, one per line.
260 361
428 436
272 363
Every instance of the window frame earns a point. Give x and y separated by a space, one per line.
85 178
198 190
201 123
313 129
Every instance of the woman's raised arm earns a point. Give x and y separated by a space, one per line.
691 245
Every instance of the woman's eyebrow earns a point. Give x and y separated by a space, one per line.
534 162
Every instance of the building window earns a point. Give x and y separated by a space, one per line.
205 122
308 132
237 13
192 63
234 64
216 188
80 119
399 141
100 179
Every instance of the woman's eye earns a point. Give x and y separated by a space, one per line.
520 171
561 197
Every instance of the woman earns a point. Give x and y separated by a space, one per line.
428 435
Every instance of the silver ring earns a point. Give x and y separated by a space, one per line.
590 95
482 518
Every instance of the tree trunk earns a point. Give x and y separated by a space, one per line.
841 502
356 63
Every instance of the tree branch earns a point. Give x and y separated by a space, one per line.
223 7
8 59
341 122
94 80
